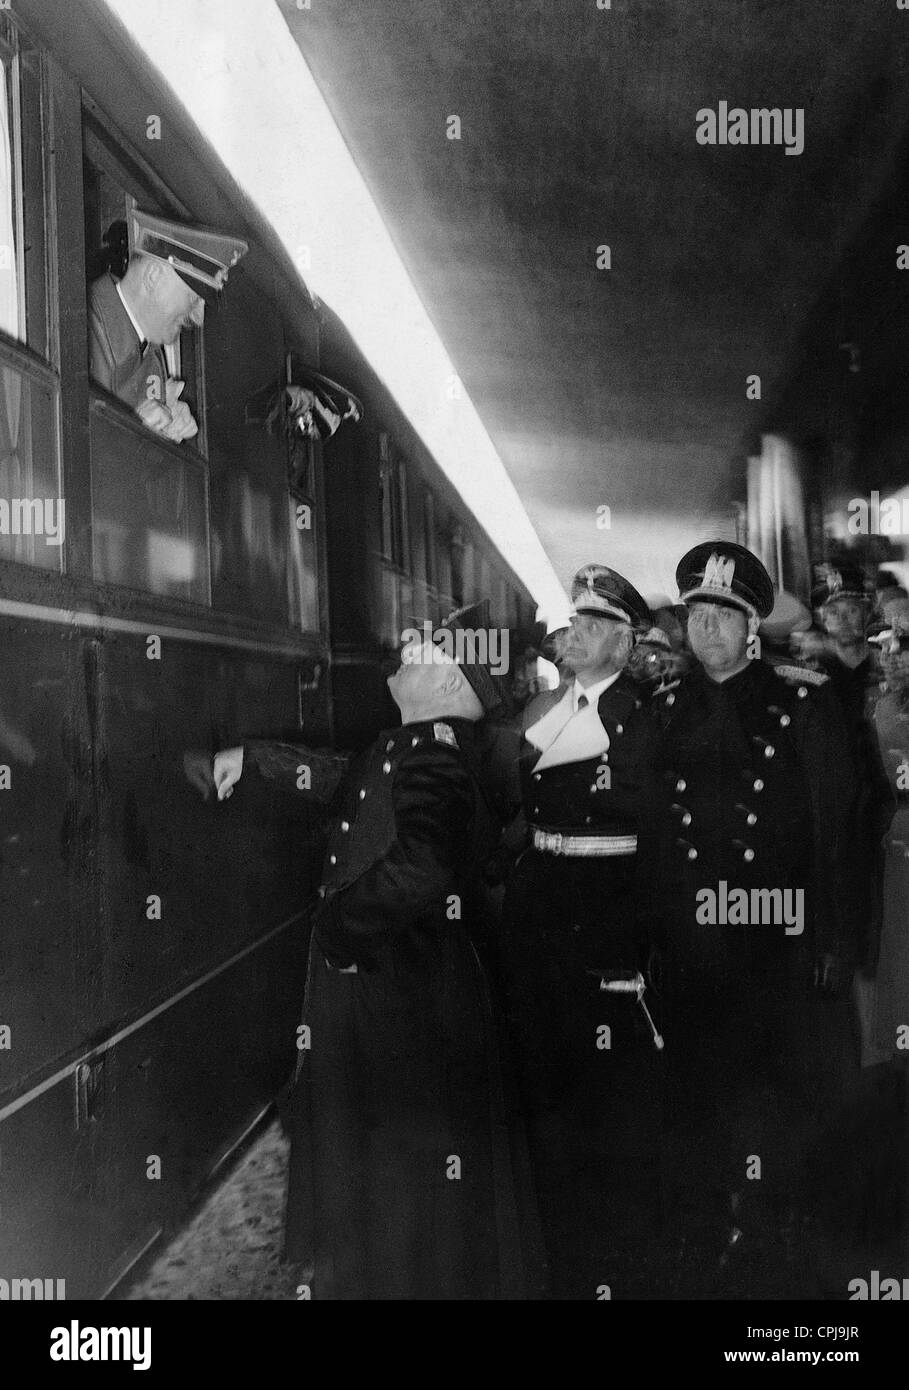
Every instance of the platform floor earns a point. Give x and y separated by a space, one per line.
231 1248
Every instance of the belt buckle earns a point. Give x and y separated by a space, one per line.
556 839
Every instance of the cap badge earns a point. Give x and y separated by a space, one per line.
719 571
589 576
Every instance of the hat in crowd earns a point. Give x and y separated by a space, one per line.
475 623
838 581
604 593
549 647
200 256
787 616
726 573
655 637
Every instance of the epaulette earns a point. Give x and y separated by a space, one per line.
444 733
801 675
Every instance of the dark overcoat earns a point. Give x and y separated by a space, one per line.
401 1170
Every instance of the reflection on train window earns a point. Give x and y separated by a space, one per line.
302 569
32 522
114 184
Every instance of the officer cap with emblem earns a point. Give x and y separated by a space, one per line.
839 581
200 256
604 593
726 573
475 619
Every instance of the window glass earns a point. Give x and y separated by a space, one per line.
32 514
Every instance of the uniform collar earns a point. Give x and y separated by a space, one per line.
593 692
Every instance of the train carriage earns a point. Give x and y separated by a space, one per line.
247 581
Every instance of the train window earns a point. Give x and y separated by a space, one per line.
457 549
429 540
31 520
393 490
303 564
114 184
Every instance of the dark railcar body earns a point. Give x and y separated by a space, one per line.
152 943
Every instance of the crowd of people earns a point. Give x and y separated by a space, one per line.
595 986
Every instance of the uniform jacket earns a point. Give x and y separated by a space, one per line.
117 363
761 790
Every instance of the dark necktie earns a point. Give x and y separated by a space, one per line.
583 702
143 344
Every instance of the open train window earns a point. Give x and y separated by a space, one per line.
149 491
114 184
32 523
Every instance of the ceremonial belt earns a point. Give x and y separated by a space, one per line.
553 842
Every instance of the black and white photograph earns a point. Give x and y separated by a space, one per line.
454 704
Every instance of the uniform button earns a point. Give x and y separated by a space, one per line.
389 745
785 721
414 742
322 892
537 776
769 751
345 826
692 854
758 785
332 859
535 811
751 819
593 786
588 819
681 785
686 819
802 691
620 728
748 856
362 793
386 766
670 699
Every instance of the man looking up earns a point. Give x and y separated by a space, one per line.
399 1172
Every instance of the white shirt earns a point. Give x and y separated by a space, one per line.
593 692
567 734
132 318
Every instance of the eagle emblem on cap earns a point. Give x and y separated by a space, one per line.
589 576
719 572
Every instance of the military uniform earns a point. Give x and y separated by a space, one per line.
574 907
119 362
760 791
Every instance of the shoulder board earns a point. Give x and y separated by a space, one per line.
801 675
444 733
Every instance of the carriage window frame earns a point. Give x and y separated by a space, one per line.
105 149
32 354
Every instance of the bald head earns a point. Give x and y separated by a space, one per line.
430 685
